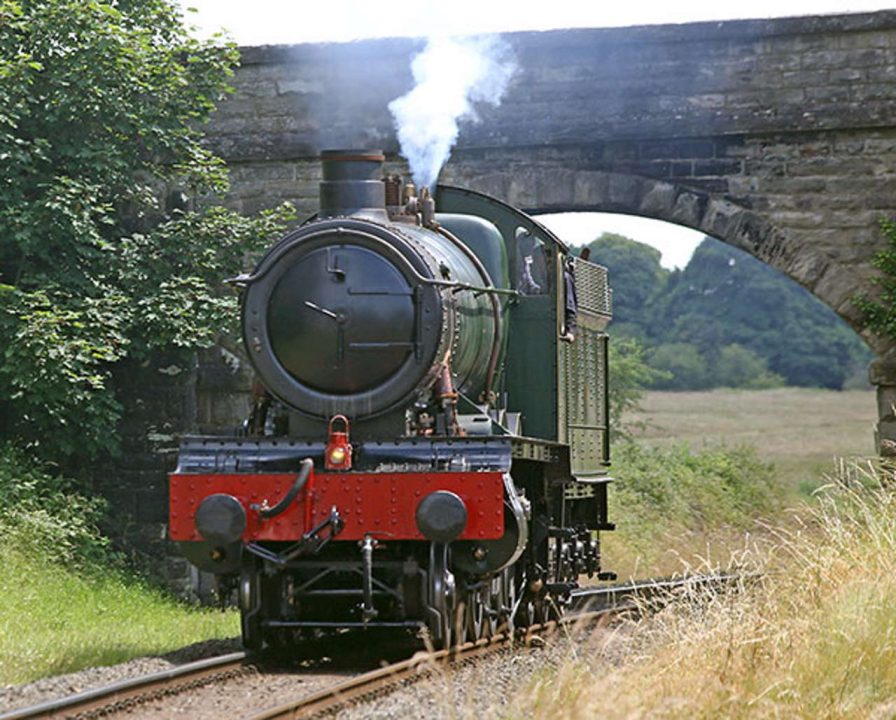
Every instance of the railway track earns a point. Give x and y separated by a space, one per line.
125 694
587 604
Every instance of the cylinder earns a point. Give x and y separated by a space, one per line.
352 184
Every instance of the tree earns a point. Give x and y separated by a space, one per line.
629 375
683 366
101 107
737 367
636 277
726 297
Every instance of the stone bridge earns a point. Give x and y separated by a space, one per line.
776 136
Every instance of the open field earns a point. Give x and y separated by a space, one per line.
801 430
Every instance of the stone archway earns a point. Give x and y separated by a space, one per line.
561 190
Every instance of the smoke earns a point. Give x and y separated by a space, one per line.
452 76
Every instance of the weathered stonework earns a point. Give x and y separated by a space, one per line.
167 396
160 404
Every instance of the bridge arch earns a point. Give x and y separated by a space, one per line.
720 217
563 190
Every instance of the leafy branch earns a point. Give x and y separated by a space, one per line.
880 314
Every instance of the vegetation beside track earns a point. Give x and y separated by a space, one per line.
68 603
707 471
673 507
813 639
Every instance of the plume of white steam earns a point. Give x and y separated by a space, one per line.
452 76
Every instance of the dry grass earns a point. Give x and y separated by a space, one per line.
815 638
801 430
678 549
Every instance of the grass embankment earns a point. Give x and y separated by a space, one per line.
67 602
816 637
701 512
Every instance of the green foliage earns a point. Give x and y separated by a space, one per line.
726 297
43 516
733 366
61 582
727 320
637 278
737 367
182 303
880 313
101 107
78 619
666 488
685 367
629 376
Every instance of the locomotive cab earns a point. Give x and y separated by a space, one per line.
429 443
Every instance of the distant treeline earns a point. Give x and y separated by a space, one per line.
726 320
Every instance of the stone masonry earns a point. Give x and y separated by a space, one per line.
777 136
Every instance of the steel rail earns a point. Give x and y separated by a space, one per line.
134 690
607 595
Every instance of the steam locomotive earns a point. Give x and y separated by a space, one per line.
428 446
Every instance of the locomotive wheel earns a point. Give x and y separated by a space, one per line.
503 600
533 606
250 603
259 600
537 610
447 621
481 619
532 612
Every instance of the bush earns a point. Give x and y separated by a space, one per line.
880 312
724 486
42 515
663 495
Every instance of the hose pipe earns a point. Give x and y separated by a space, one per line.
307 466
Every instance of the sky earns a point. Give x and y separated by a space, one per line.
287 21
263 22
